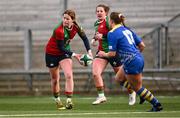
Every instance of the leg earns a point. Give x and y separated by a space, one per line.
120 78
97 76
66 65
136 83
54 74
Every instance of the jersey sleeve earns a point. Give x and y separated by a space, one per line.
83 36
112 41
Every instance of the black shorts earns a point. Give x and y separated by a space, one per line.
53 60
114 61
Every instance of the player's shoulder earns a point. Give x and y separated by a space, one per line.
59 28
96 23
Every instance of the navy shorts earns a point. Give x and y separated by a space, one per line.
135 66
53 60
114 61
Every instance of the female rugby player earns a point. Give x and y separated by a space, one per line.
58 56
99 63
122 41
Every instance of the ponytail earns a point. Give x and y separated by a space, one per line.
117 18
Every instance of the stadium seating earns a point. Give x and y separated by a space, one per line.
42 15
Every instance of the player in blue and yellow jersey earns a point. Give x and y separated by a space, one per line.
102 28
123 41
58 56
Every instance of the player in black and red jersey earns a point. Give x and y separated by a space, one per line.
58 55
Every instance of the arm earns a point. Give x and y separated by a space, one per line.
138 41
112 47
83 36
60 44
141 46
85 40
86 43
107 55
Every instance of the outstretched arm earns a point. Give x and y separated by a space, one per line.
85 41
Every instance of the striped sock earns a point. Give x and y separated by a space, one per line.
147 95
126 85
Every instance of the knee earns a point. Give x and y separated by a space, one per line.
115 78
69 76
55 81
96 75
54 77
135 87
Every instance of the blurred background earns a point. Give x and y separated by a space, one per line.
25 27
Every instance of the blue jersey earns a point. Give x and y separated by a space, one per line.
124 42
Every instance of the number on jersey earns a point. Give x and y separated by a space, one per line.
129 36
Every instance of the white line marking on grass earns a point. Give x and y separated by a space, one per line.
80 114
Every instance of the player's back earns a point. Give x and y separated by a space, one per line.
124 38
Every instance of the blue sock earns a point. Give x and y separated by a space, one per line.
147 95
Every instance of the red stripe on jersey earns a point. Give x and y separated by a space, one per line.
102 29
59 34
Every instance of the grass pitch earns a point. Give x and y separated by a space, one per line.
116 106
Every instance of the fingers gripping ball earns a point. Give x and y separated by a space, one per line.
86 60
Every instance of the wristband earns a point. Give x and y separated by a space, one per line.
73 54
89 51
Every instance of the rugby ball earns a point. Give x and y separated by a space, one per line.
86 60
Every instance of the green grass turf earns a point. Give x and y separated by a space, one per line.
116 106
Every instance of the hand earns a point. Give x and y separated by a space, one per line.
102 54
77 56
98 36
90 53
93 42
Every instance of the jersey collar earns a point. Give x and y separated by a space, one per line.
115 27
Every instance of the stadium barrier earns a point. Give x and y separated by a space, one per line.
164 40
172 76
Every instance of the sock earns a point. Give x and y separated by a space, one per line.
68 100
69 94
57 99
56 96
127 85
100 91
147 95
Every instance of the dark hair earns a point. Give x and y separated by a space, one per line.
106 8
71 13
117 18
